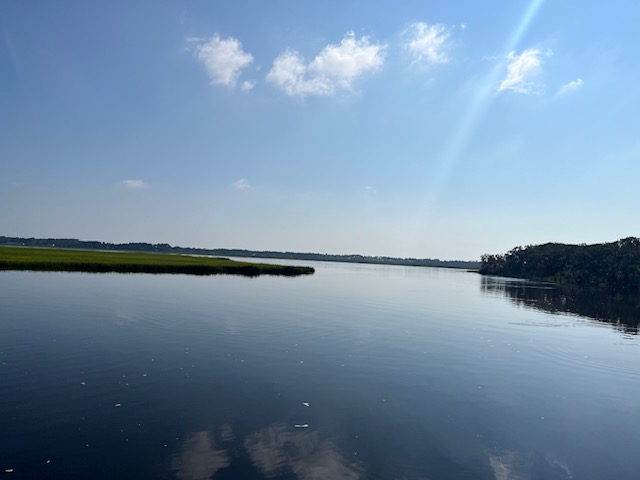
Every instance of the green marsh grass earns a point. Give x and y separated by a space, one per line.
45 259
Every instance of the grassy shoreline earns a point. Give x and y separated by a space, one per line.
64 260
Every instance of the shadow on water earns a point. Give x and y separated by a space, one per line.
620 310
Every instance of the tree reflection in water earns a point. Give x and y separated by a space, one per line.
620 310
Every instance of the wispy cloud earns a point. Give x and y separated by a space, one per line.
371 190
223 59
241 184
521 69
133 184
570 87
335 68
427 43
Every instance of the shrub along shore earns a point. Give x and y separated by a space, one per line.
58 260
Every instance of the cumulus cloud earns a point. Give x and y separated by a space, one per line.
223 59
427 43
133 184
247 86
520 70
335 68
570 87
241 184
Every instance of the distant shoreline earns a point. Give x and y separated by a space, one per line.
72 243
69 260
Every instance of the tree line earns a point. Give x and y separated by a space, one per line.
614 265
226 252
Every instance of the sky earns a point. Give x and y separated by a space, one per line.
421 129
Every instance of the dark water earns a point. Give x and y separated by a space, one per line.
621 309
408 373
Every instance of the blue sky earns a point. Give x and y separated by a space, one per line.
416 128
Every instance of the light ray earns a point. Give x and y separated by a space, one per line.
474 113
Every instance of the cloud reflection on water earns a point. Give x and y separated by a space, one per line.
514 465
277 448
226 433
273 451
198 458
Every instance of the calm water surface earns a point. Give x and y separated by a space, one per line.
356 372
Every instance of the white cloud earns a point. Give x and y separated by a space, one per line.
570 87
520 70
371 190
241 184
133 184
224 59
427 43
247 86
336 67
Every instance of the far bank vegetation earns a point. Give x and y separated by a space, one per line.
614 265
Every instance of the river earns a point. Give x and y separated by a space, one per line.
355 372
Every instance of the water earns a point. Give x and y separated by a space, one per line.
408 373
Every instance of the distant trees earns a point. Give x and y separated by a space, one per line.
614 265
166 248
